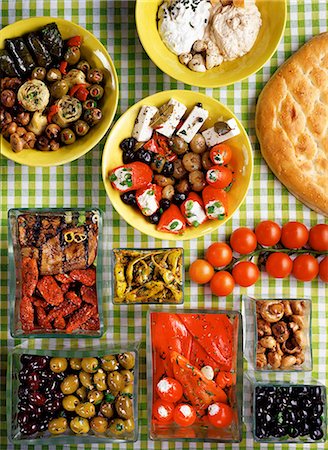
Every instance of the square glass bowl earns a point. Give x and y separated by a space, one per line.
172 332
152 276
278 334
46 438
289 406
32 236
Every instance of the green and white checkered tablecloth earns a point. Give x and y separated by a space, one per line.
80 183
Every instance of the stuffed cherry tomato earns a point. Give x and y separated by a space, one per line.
169 389
163 411
220 415
184 415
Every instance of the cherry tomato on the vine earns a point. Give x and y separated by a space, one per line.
201 271
318 237
169 389
294 235
323 269
243 240
222 283
220 415
245 273
184 415
268 233
279 265
219 254
305 268
163 411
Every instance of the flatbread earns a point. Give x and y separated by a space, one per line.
292 124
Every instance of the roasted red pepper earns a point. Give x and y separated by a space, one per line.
148 199
172 221
74 41
52 111
82 94
131 176
219 177
74 89
200 358
63 67
160 144
215 202
193 210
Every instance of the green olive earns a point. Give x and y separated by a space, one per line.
124 407
91 103
117 427
75 363
128 377
72 55
127 389
79 425
129 425
178 145
82 392
53 75
95 397
85 410
107 410
95 76
57 426
96 91
69 384
115 381
90 365
126 360
39 73
83 65
58 365
67 136
99 424
99 380
92 116
70 402
59 88
81 128
86 380
109 363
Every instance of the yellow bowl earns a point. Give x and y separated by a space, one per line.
273 12
242 161
97 56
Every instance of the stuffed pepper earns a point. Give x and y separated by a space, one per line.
172 221
130 177
148 199
215 202
219 177
221 154
193 210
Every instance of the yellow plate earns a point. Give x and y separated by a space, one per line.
242 161
273 12
96 54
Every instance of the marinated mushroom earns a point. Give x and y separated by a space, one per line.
52 132
199 46
267 342
185 58
298 307
280 331
23 118
288 309
274 359
300 358
272 311
16 142
298 320
263 328
197 63
290 347
8 98
261 360
299 338
287 361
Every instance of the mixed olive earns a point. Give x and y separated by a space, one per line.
81 395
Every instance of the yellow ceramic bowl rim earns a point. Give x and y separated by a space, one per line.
197 232
160 63
39 21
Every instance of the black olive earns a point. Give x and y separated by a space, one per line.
128 143
154 218
316 434
293 431
168 169
164 204
317 410
179 197
144 156
129 156
129 198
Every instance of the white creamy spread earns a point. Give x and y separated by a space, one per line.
147 202
213 409
195 214
182 22
186 410
174 225
122 178
215 210
164 386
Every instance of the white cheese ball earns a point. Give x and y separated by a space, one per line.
208 372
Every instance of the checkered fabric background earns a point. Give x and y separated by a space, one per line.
80 183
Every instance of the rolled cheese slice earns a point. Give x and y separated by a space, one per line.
33 95
70 110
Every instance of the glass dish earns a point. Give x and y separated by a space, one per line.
175 293
200 431
15 273
45 438
257 384
281 341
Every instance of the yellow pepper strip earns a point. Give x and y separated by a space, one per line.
79 237
121 284
69 236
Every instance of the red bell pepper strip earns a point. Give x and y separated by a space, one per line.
200 358
172 221
63 67
144 197
214 333
129 177
198 389
75 88
215 202
74 41
52 111
82 94
219 177
186 209
160 144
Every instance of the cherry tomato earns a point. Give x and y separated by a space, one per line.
222 283
323 269
243 240
245 273
305 268
221 154
169 389
224 379
268 233
163 411
294 235
219 254
184 415
220 415
318 237
201 271
279 265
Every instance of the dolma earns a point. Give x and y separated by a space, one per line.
7 64
52 39
38 50
22 57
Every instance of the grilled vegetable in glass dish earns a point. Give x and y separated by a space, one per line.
148 276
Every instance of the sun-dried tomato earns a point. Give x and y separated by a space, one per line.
60 323
80 317
74 298
86 277
64 287
63 278
42 318
26 314
63 310
37 301
89 295
30 275
91 324
50 290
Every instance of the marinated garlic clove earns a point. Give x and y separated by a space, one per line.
197 64
272 311
268 342
280 331
263 328
261 360
274 359
287 361
185 58
288 309
199 46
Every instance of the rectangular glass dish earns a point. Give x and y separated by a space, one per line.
152 276
55 272
202 351
278 334
107 356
